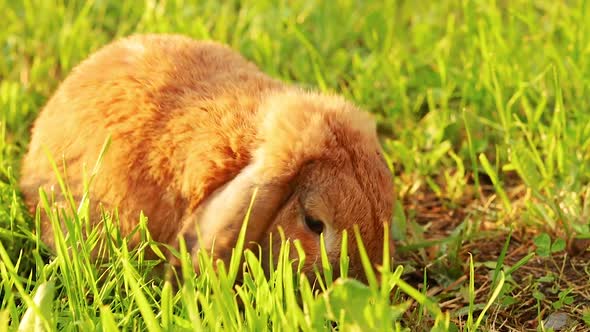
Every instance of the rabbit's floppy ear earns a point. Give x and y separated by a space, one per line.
217 223
287 139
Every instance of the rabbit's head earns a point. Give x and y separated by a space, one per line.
319 170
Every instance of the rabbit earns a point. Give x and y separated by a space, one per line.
195 128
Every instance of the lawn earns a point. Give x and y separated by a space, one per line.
483 108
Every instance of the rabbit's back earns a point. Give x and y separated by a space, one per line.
181 117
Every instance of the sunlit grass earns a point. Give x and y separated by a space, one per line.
482 106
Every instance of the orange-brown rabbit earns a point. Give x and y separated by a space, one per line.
195 128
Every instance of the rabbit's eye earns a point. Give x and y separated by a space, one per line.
315 225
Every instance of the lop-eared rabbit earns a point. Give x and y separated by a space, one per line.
195 128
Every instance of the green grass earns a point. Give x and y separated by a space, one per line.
484 114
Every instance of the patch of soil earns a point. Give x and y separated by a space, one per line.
441 235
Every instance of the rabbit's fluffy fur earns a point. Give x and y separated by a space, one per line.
195 128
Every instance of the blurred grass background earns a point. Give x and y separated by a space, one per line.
480 104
